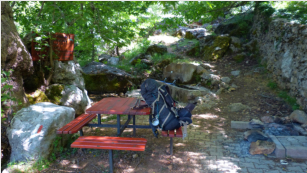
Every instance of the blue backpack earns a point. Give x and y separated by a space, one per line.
164 115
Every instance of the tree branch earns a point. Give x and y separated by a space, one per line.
12 5
40 11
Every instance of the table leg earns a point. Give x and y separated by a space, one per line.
171 146
134 129
81 132
118 124
99 119
111 160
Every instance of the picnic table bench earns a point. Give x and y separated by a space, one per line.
110 143
76 125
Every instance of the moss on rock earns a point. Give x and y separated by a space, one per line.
37 97
217 49
54 93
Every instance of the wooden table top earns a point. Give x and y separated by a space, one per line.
113 105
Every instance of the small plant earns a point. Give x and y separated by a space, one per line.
41 164
272 85
290 100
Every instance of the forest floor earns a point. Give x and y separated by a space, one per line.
205 148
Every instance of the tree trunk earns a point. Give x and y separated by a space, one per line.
93 49
117 50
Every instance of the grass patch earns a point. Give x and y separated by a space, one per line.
272 85
290 100
185 42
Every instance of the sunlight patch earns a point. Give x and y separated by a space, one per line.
208 116
165 38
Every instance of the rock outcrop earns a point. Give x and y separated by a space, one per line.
14 55
283 47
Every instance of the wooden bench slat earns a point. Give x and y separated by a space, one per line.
75 125
110 138
110 143
78 126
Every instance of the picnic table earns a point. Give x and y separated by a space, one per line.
120 106
110 105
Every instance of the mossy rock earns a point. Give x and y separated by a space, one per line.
103 83
189 36
54 93
159 49
217 49
37 97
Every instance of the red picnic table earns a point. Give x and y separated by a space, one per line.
120 106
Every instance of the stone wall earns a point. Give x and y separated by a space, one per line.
282 46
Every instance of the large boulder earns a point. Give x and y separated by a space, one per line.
214 47
181 31
101 78
183 72
299 116
104 57
113 61
68 73
155 48
69 95
195 33
33 130
14 55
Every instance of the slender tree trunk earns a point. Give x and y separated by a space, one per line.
117 50
93 49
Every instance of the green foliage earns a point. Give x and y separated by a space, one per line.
6 93
240 18
272 85
92 22
206 11
158 58
141 47
140 67
290 100
266 9
295 10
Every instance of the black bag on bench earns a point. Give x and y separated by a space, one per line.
165 115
